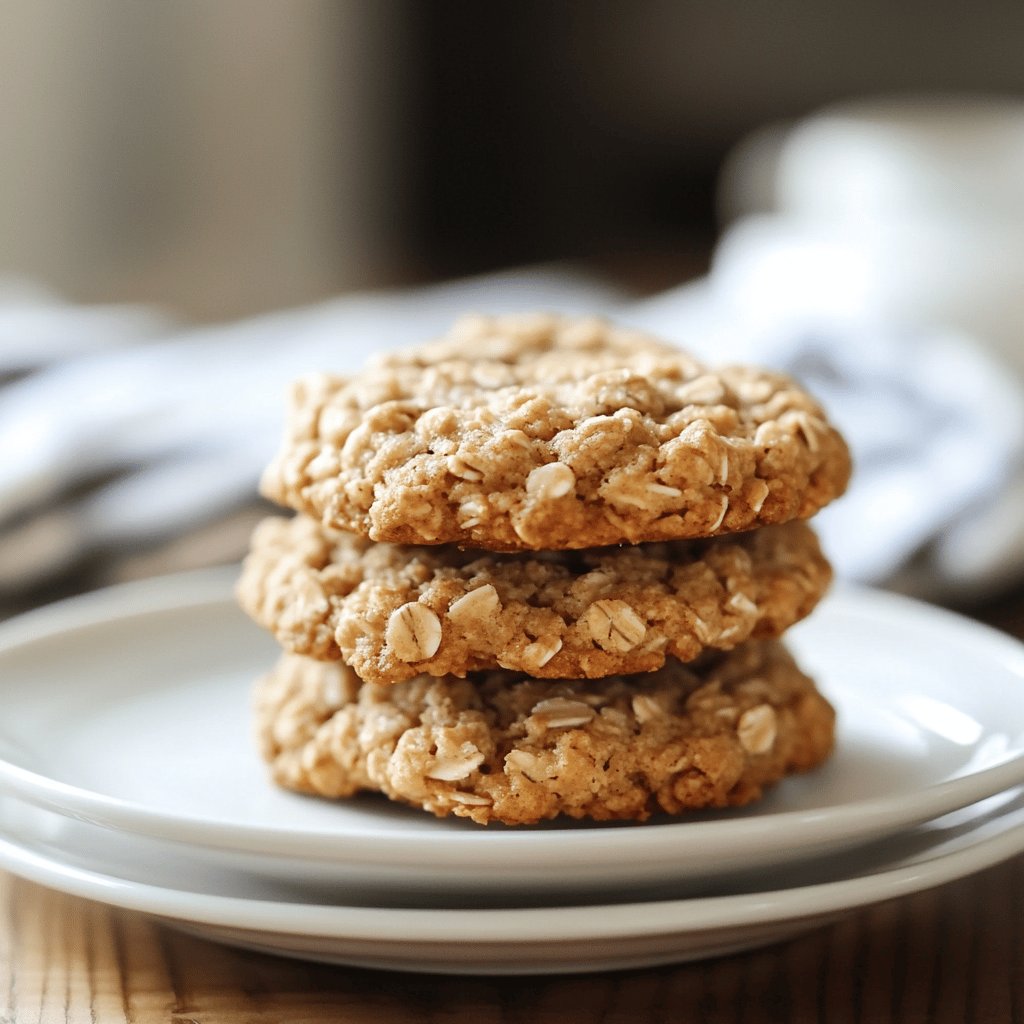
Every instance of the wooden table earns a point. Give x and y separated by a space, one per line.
954 954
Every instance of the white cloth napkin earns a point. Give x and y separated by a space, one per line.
936 425
120 431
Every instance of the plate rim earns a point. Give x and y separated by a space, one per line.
193 589
622 921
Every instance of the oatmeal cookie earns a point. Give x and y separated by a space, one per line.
539 432
393 611
503 747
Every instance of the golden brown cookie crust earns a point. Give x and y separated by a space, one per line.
512 749
393 612
539 432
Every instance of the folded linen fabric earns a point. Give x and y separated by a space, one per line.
936 427
119 432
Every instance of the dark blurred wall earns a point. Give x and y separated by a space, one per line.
562 129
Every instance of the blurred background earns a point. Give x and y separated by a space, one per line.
832 180
225 158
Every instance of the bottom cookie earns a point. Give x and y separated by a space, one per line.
504 747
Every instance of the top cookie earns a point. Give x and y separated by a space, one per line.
540 432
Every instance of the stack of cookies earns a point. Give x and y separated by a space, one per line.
540 566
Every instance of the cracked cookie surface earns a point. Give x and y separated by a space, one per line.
396 611
539 432
507 748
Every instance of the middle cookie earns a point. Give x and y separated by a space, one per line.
392 612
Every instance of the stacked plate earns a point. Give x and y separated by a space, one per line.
127 775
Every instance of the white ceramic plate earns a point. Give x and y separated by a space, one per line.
537 940
137 858
129 709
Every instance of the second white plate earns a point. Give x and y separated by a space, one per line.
538 940
130 709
